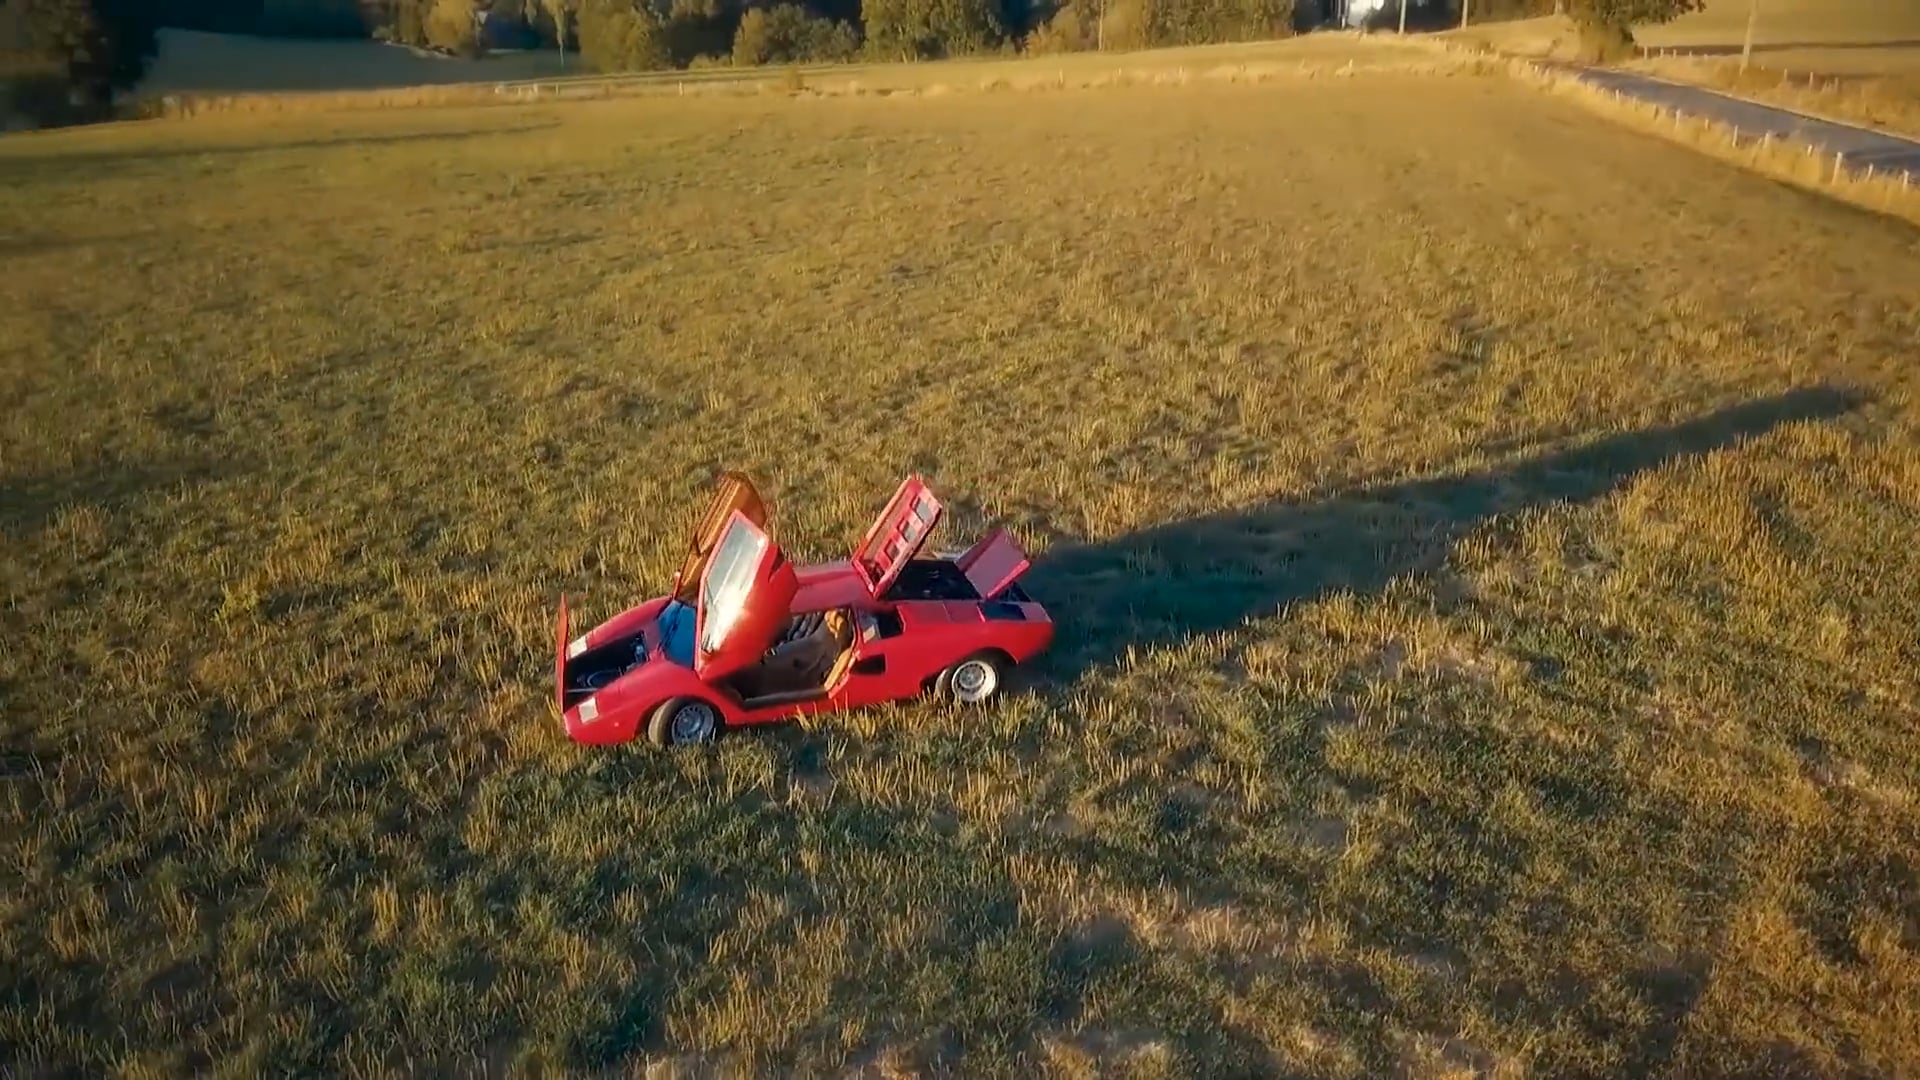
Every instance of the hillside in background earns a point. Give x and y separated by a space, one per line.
190 60
1833 37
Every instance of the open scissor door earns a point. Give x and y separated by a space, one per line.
746 595
734 495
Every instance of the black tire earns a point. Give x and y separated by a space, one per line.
663 731
974 681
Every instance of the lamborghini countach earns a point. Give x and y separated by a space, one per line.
746 637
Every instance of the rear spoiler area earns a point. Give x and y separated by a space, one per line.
993 564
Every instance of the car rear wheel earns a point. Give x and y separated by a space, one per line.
973 681
683 721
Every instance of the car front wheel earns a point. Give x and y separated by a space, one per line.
973 681
683 721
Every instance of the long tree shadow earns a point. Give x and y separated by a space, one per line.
1164 584
28 503
50 166
1735 49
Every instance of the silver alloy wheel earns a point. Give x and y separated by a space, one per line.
974 681
693 722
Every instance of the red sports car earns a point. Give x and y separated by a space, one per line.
746 637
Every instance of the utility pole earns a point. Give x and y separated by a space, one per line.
1403 17
1465 6
1100 29
1753 17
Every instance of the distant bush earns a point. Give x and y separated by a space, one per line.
927 29
1606 26
1198 22
621 35
1073 28
34 95
450 26
94 46
788 34
1140 24
1604 43
1129 24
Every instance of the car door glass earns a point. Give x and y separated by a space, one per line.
729 580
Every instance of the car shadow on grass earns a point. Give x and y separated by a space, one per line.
997 983
1162 585
29 503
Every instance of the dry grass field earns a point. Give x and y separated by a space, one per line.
1856 60
311 88
1835 37
1482 538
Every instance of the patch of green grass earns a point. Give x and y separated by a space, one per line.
1480 538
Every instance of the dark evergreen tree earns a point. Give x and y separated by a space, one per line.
98 45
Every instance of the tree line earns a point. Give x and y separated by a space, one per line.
629 35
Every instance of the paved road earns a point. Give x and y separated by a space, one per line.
1886 153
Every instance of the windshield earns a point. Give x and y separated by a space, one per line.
729 579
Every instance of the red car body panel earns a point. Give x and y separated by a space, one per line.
612 679
632 621
765 583
897 536
825 586
993 563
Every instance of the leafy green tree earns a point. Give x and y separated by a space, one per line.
1199 22
1606 26
98 46
1127 24
926 29
1070 28
409 21
622 35
753 39
450 26
789 34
